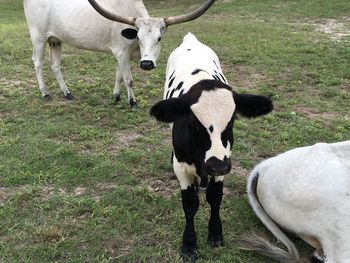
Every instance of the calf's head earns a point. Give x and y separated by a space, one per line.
203 120
149 30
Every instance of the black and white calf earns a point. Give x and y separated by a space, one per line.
201 108
305 191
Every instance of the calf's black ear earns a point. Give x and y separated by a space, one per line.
169 110
252 105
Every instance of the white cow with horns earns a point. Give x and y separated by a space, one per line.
305 191
78 24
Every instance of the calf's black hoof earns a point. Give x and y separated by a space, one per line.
117 98
188 254
47 96
69 96
132 103
315 259
215 240
189 257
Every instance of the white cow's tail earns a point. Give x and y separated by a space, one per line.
260 245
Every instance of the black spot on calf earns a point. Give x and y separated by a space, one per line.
179 85
129 33
167 94
216 77
171 93
223 78
171 82
215 64
196 71
172 74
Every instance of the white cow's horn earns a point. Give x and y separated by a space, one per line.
173 20
122 19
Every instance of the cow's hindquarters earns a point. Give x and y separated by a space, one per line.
258 244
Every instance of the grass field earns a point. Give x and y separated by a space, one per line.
91 181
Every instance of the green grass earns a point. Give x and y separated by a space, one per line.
91 181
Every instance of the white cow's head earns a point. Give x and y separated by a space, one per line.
150 30
149 35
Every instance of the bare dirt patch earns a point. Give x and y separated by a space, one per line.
47 193
10 82
245 77
336 29
240 171
13 85
8 113
106 186
7 192
312 113
117 247
164 186
79 191
123 140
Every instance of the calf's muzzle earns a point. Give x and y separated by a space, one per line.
214 166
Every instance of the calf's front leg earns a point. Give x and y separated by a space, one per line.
190 204
214 196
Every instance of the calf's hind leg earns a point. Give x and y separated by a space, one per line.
214 197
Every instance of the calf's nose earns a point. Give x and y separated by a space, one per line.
147 64
214 166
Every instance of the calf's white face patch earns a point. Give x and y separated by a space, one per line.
214 110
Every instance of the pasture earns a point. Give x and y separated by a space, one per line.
91 181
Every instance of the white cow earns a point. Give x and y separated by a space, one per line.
78 24
305 191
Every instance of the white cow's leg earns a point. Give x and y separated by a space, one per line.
214 195
38 60
55 63
123 58
118 80
317 256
